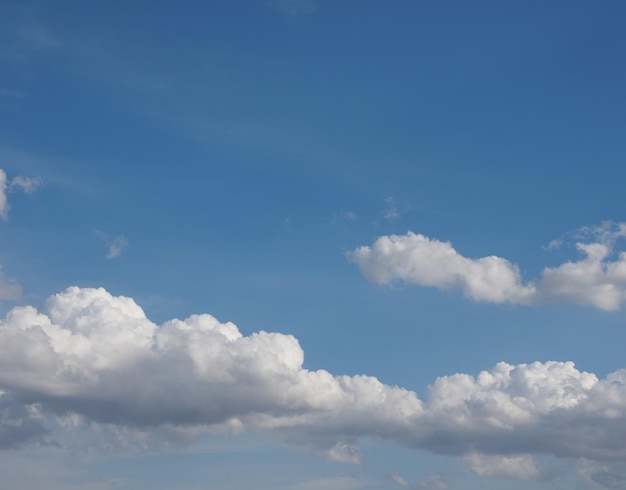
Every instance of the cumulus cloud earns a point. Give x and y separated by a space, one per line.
597 279
91 358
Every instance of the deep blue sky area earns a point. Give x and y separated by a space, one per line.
411 189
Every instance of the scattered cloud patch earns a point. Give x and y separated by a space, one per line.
10 290
25 184
115 246
4 203
516 467
391 212
597 279
28 185
19 423
345 217
398 480
330 483
434 482
94 360
287 222
602 475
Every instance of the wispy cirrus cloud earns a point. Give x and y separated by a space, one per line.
597 279
97 358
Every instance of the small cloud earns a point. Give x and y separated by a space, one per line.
344 453
287 222
115 245
398 480
392 211
514 467
4 203
9 288
434 482
28 185
344 216
554 244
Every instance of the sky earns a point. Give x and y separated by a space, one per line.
312 244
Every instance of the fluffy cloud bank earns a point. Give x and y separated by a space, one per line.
91 355
594 280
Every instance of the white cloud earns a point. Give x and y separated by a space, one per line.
398 480
517 467
392 211
434 482
29 185
115 246
9 288
347 216
331 483
596 279
96 361
4 203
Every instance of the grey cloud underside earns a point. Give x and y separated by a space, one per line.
98 356
19 423
594 280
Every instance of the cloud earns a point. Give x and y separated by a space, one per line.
19 423
611 476
331 483
434 482
347 216
4 203
95 360
26 184
115 246
392 211
398 480
29 185
597 279
517 467
9 288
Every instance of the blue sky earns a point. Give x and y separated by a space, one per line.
421 204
